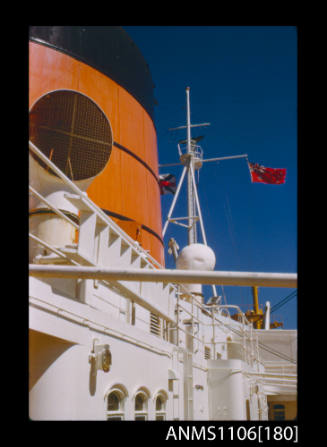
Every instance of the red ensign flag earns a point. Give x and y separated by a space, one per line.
261 174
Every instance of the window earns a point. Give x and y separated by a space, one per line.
160 407
115 404
248 411
278 412
141 407
207 353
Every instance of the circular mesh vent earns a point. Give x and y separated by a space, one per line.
73 132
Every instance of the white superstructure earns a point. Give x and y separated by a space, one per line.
109 349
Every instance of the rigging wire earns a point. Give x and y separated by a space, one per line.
231 231
261 345
281 303
224 295
230 225
207 208
284 301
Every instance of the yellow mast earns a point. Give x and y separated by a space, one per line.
257 312
255 315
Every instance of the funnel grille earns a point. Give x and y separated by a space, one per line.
73 132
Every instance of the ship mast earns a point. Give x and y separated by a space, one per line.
192 233
192 159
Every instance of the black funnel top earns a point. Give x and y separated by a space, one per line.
109 49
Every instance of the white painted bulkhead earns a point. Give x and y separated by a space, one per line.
69 390
226 390
62 331
62 386
61 337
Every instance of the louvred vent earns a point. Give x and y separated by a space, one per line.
73 132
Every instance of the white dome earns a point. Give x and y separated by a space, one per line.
196 257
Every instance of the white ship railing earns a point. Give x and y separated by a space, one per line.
52 207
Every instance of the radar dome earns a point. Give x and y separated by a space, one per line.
196 257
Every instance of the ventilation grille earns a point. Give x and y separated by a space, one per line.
73 132
155 325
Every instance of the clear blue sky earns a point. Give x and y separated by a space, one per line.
243 80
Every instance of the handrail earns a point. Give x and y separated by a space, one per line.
173 276
55 209
267 348
54 250
92 206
